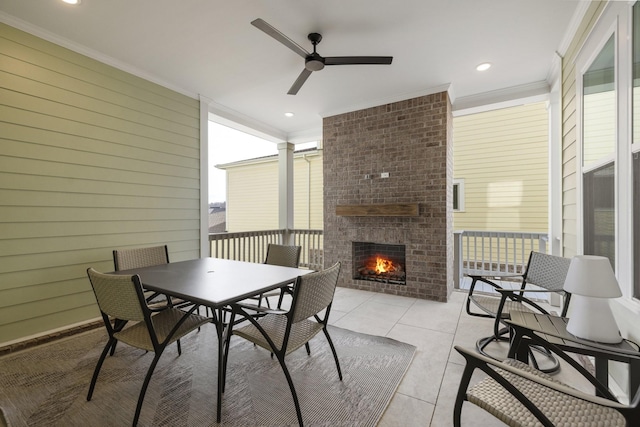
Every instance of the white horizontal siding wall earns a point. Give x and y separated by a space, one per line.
502 155
91 159
252 196
252 193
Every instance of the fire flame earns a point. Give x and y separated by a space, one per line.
383 265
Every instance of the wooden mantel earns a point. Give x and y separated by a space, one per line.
395 209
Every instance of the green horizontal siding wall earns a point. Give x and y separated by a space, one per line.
91 159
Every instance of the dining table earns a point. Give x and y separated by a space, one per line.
215 283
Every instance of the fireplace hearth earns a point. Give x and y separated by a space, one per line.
379 262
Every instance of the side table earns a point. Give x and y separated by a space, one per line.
553 329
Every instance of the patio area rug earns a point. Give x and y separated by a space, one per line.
48 384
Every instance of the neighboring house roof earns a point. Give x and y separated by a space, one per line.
218 221
271 157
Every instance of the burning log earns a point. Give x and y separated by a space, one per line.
383 270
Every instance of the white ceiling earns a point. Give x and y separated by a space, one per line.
208 48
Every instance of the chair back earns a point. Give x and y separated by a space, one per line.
118 296
547 271
283 255
314 292
126 259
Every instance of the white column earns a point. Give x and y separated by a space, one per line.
205 248
285 187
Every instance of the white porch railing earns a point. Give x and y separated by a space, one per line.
483 252
251 246
486 252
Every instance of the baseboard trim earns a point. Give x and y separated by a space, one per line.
43 339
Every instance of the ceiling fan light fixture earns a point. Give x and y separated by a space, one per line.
314 64
484 66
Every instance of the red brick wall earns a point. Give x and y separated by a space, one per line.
412 141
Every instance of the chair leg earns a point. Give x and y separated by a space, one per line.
306 346
280 299
482 343
462 394
333 350
292 388
110 344
145 384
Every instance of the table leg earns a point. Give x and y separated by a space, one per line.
634 378
519 347
602 371
217 319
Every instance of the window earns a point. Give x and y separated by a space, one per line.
636 222
608 134
458 195
635 146
598 150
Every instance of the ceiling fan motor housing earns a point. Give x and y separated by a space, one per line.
314 62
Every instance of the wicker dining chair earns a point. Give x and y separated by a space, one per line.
522 396
285 256
547 272
121 297
282 332
127 259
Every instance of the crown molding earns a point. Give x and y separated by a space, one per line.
88 52
226 116
305 135
573 26
502 98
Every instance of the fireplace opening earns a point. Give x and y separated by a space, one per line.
379 262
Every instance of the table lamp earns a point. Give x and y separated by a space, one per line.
591 282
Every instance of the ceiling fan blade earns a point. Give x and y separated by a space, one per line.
267 28
304 75
357 60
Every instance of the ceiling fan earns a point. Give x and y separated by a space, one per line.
313 61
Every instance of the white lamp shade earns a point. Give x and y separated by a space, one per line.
592 276
591 319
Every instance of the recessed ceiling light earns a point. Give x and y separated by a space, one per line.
72 1
484 66
288 114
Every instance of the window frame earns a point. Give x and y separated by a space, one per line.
459 184
616 19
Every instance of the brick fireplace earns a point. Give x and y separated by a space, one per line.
388 174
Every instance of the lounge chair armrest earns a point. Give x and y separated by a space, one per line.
561 388
496 276
506 291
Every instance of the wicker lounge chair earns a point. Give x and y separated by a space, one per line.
547 272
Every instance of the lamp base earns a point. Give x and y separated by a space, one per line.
592 319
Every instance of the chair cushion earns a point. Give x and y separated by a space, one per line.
275 326
561 409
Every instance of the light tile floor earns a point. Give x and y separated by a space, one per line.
426 395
